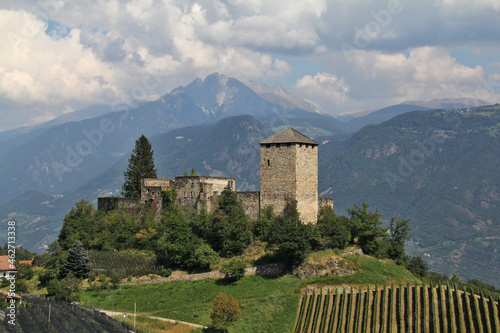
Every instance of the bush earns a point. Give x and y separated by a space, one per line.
204 256
225 311
24 272
54 287
166 272
21 286
115 279
92 277
234 270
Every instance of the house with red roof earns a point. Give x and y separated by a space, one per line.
7 269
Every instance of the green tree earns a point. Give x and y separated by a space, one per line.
78 262
292 239
229 232
176 238
225 311
334 233
53 262
82 224
399 234
69 290
417 266
204 256
141 165
25 272
366 226
261 226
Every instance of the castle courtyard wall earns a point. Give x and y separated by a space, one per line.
251 203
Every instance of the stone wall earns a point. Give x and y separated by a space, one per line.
151 191
201 192
277 176
325 202
307 182
251 203
264 270
113 203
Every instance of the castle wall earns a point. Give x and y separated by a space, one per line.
114 203
325 202
277 176
151 191
307 182
251 203
201 192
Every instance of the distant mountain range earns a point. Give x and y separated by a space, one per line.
435 167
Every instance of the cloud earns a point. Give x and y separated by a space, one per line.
426 73
325 88
66 54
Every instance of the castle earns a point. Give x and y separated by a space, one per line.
288 175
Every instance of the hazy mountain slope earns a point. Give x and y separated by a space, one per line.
279 95
437 168
381 115
230 149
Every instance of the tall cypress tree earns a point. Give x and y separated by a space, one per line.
141 165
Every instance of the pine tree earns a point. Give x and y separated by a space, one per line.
78 261
141 165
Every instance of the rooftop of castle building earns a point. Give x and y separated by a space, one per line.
289 135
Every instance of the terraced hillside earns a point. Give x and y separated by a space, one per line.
397 309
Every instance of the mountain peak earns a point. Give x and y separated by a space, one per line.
280 95
221 79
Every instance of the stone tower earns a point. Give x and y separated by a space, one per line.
289 173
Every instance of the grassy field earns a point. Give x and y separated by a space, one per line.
267 304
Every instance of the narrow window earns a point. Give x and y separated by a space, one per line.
268 163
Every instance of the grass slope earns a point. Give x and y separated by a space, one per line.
266 304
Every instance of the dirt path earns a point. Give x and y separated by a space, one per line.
111 313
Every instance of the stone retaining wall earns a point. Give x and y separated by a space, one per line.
264 270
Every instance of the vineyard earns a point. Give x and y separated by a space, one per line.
424 309
64 317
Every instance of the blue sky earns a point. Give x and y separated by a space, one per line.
57 56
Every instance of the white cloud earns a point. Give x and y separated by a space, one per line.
325 88
426 73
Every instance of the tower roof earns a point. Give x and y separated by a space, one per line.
289 135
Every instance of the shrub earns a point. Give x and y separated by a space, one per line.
166 272
115 279
21 286
225 311
53 287
234 270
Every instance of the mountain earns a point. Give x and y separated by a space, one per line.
437 168
381 115
279 95
56 158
